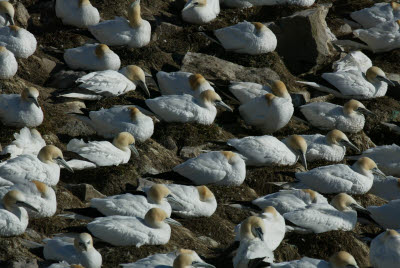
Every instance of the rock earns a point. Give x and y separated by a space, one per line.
65 79
345 29
169 143
304 40
214 68
209 241
24 264
190 152
21 15
84 191
48 65
164 31
74 128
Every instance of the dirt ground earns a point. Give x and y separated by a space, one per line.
162 152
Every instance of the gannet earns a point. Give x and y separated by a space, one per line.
290 200
341 214
219 167
275 227
382 37
393 126
341 259
269 112
13 215
268 150
44 168
387 215
79 13
331 147
246 91
377 14
192 201
106 83
127 231
27 141
104 153
186 108
8 63
109 122
134 32
21 110
157 196
38 194
385 250
387 157
248 38
200 11
64 264
250 3
388 189
92 57
77 251
18 40
354 60
355 179
6 13
252 244
167 260
328 116
179 83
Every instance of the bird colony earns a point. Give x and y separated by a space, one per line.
129 138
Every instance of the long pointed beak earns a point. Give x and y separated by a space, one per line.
224 105
64 163
171 199
35 101
357 207
365 110
188 6
26 205
384 79
379 173
349 144
303 160
173 222
202 264
132 147
259 233
10 19
143 86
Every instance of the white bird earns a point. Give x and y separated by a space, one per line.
157 196
382 37
275 228
106 83
13 215
247 38
104 153
269 112
246 91
168 259
38 194
200 11
27 141
331 147
77 251
64 264
7 13
386 215
250 3
219 167
388 189
328 116
290 200
179 83
186 108
44 168
134 32
8 63
252 244
341 214
18 40
393 126
354 60
385 250
268 150
192 201
128 231
387 157
340 178
79 13
342 259
109 122
92 57
377 14
21 110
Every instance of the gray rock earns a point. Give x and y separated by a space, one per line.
345 29
190 152
209 241
84 191
75 128
24 264
164 31
213 68
21 15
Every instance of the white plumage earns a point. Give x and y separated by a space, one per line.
18 40
79 13
387 215
250 3
222 168
200 11
8 63
247 38
377 14
388 189
385 250
7 13
27 141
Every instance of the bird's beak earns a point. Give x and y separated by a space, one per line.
384 79
202 264
357 207
303 160
173 222
132 147
365 110
259 233
64 163
224 105
379 173
35 101
191 4
349 144
26 205
143 86
171 199
10 19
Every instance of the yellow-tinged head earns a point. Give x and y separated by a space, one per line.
269 98
343 201
15 198
30 94
299 145
251 228
101 50
83 242
205 193
125 141
271 210
312 193
279 89
395 5
195 80
7 9
342 259
51 154
211 97
158 192
154 217
82 3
